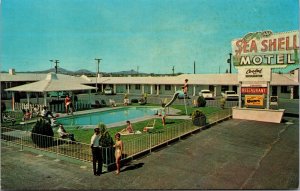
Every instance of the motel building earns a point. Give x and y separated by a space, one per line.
283 85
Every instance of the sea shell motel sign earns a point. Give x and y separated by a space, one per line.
266 48
257 53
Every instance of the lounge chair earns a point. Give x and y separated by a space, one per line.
112 103
149 126
96 105
133 133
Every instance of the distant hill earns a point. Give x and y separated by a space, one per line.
90 73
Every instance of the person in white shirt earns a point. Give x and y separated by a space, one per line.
96 152
63 133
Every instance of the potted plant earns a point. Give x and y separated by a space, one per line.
198 118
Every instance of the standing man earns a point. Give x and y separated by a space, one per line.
96 152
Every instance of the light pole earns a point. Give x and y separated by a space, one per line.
98 62
229 62
56 62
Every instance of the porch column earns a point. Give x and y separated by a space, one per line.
157 89
28 99
13 101
215 91
45 98
175 88
194 90
143 88
115 88
151 89
292 92
128 88
102 88
90 99
37 97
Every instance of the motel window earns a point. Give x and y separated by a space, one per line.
168 87
137 86
224 88
285 89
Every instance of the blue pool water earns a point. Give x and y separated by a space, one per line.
108 117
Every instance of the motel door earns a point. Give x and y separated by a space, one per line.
274 90
296 92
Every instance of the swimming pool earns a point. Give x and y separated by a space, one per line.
109 117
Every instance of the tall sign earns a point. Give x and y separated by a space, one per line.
266 48
254 56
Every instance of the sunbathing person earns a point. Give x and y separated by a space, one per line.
128 129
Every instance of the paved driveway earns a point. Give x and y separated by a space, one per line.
235 154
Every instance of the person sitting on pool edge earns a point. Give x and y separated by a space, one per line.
128 129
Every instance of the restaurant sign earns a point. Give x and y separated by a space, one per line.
266 48
254 90
254 100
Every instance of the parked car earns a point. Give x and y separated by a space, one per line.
230 95
207 94
108 91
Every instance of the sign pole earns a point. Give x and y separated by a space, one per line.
268 95
240 94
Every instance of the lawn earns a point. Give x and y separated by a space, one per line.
84 135
206 110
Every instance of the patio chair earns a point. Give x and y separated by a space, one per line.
103 103
149 126
8 119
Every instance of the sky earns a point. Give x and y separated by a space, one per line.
149 35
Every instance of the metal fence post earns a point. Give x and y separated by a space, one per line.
150 146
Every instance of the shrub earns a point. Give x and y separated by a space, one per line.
134 101
201 101
106 141
198 118
42 127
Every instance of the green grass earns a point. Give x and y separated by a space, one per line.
84 135
206 110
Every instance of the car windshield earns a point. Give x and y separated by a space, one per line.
205 91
